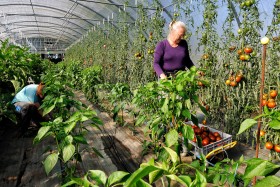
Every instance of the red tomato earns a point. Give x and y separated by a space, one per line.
264 102
205 141
273 93
238 78
269 145
277 148
271 104
248 50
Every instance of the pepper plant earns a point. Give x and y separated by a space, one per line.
165 105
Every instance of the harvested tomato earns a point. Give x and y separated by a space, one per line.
218 138
262 133
269 145
216 134
197 130
248 50
273 93
277 148
205 141
194 139
212 138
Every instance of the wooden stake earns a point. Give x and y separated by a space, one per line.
260 105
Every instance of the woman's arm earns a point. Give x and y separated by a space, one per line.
158 56
188 62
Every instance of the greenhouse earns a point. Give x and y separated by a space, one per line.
140 93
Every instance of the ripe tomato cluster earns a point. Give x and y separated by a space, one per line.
246 53
270 146
206 135
233 80
269 99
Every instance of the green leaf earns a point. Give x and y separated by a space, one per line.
259 167
178 179
80 139
140 120
187 180
69 127
179 87
171 138
248 123
50 162
98 176
188 103
188 132
68 152
41 133
74 117
164 107
48 109
69 139
116 176
173 155
142 183
270 181
274 124
186 113
78 181
155 175
16 85
139 174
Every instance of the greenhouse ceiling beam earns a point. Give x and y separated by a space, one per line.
47 7
118 6
62 18
56 24
47 33
43 40
34 14
41 26
48 16
92 10
114 4
72 37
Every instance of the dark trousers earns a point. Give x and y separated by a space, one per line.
28 112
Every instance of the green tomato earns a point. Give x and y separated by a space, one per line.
239 31
193 69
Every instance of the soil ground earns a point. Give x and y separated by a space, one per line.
21 160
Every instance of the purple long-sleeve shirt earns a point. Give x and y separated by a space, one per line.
169 59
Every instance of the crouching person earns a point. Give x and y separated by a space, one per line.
27 102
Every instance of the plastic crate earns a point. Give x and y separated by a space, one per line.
226 139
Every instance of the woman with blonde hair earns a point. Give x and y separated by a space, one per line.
172 54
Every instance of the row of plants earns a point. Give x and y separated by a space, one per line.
162 105
125 54
16 66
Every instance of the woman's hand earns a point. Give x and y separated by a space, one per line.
162 76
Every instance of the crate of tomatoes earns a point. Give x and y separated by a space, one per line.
211 138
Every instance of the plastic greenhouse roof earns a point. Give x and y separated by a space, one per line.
53 25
